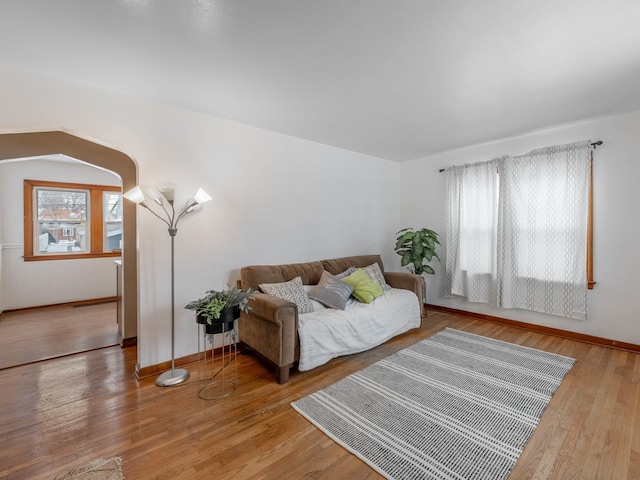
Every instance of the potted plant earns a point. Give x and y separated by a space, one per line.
218 309
417 248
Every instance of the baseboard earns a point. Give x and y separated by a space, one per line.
157 369
556 332
77 303
129 342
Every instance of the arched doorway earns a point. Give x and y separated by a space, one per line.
32 144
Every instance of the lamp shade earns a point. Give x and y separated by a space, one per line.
168 190
135 195
201 196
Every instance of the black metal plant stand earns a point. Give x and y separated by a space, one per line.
217 363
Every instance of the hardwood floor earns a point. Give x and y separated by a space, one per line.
43 333
63 413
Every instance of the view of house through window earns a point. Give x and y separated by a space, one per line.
71 220
62 220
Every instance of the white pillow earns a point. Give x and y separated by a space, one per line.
376 275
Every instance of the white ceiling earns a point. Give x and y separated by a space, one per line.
397 79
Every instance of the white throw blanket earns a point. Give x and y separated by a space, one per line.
327 333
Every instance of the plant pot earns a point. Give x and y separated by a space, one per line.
222 324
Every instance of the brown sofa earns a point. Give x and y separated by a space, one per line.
270 327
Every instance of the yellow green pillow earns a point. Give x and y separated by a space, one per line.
365 290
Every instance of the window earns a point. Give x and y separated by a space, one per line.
112 215
69 220
519 228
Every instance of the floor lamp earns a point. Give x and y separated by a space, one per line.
175 375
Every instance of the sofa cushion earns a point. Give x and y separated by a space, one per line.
253 276
331 291
293 291
337 265
365 290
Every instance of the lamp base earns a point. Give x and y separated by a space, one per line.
172 377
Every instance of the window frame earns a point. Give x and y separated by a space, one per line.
590 248
106 222
95 220
590 281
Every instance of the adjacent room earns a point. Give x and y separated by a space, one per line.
162 155
71 305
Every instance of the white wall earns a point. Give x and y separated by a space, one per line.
275 198
613 307
30 284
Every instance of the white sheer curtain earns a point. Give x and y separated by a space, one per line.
471 234
517 230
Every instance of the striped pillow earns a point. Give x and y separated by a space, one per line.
331 291
375 274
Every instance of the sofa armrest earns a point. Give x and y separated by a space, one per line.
408 281
272 309
270 328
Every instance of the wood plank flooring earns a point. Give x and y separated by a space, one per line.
38 334
63 413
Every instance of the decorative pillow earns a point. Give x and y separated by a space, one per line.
365 290
293 291
331 291
375 273
346 273
316 304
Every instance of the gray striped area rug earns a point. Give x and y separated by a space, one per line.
453 406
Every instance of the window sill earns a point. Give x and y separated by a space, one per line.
70 256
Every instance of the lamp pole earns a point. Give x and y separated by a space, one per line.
174 376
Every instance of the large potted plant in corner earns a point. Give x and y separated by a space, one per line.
218 309
417 248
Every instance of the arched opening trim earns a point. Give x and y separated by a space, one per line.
33 144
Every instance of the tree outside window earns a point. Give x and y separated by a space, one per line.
62 220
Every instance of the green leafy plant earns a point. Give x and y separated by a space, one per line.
215 301
417 248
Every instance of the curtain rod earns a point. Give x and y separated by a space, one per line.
594 145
